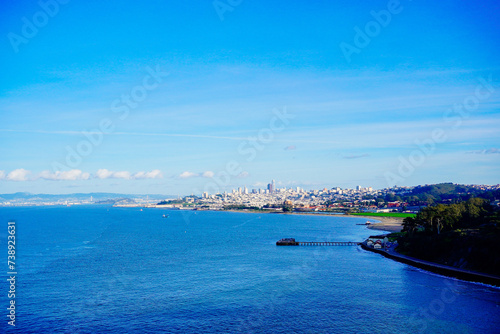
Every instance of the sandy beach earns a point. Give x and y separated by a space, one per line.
390 224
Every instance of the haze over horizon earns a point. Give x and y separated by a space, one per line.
175 97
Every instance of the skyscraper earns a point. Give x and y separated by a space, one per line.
271 187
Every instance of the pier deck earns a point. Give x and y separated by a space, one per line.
292 242
328 243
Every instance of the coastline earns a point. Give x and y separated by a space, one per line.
444 270
388 224
394 224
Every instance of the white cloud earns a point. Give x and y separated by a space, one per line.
154 174
18 175
208 174
107 174
103 174
74 174
187 175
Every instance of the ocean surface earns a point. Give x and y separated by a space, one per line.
98 269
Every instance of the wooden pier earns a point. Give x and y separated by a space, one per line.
328 243
292 242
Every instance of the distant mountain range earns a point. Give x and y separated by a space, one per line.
77 196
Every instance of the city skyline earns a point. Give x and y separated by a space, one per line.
407 199
177 98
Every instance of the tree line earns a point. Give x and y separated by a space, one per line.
465 235
446 217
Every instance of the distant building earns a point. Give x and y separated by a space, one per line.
270 187
378 241
384 210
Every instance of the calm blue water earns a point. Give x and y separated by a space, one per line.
101 269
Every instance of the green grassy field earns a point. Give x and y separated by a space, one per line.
385 214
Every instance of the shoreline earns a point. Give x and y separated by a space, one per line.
388 224
394 224
466 275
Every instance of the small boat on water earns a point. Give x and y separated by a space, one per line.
367 223
165 216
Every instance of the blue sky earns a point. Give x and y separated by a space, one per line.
179 97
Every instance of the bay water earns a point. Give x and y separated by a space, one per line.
99 269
